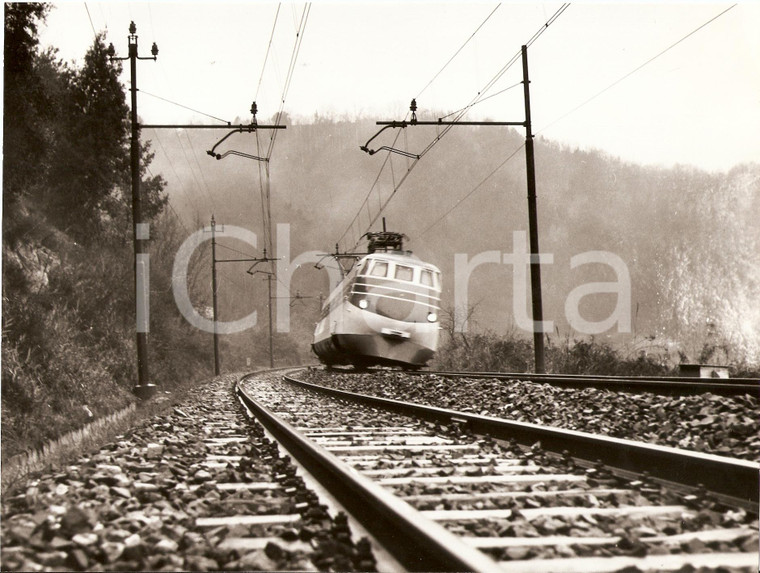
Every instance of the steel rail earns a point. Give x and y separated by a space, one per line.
416 542
730 477
677 385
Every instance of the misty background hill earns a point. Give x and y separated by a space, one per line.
689 238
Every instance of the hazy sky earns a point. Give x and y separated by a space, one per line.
698 103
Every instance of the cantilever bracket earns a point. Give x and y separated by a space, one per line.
249 129
401 124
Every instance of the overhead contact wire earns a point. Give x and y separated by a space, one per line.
291 69
479 97
269 48
89 17
409 167
235 250
183 106
369 193
459 50
629 74
174 170
471 192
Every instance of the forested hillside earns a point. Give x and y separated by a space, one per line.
688 238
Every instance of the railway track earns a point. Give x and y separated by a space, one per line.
443 490
207 487
674 385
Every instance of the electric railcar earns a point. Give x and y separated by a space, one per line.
384 311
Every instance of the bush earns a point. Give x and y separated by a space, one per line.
70 340
489 352
592 357
485 352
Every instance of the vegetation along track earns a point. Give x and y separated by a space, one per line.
446 490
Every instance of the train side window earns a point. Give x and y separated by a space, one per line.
380 269
404 273
426 278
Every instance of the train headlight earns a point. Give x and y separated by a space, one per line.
432 317
363 304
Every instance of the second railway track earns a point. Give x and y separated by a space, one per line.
440 495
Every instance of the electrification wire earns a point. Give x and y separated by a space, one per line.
266 205
168 203
203 189
222 245
479 97
94 33
269 47
242 287
174 170
179 219
171 164
264 185
459 50
183 106
629 74
195 156
369 194
548 23
482 100
472 191
457 204
289 76
262 195
409 167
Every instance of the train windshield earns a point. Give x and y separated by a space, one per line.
404 273
380 269
387 269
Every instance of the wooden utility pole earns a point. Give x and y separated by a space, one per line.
214 293
255 261
271 343
535 266
144 388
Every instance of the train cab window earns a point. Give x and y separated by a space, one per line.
404 273
380 269
426 278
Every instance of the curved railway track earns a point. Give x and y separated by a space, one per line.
443 490
677 385
197 488
205 487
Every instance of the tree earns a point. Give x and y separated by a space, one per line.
25 103
91 143
117 206
89 173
